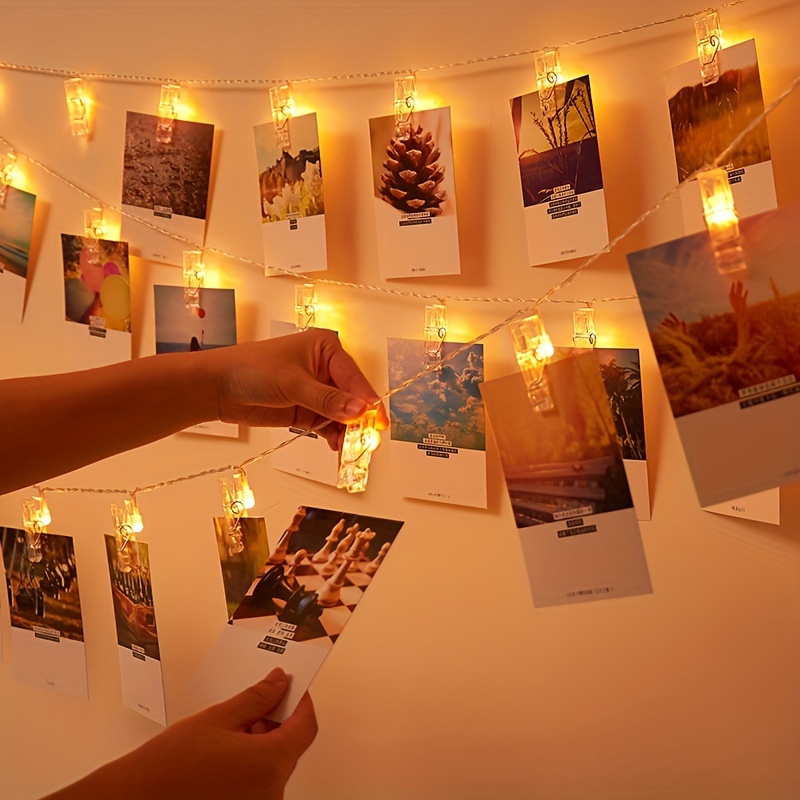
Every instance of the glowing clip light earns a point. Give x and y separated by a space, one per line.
127 523
77 106
360 439
94 228
533 349
167 111
194 274
435 331
35 519
709 43
234 504
8 171
548 75
282 111
584 334
305 306
721 219
405 100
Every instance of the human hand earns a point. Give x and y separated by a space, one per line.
222 751
738 298
302 380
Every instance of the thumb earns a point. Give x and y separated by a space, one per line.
328 401
245 708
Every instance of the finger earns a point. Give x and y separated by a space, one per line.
255 702
297 731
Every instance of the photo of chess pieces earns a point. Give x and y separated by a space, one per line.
317 572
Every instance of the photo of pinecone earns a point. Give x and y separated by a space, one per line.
412 174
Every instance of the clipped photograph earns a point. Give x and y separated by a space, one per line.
210 325
719 339
316 574
446 401
564 460
132 594
243 550
96 282
169 179
705 120
16 231
560 150
290 181
414 175
42 584
622 377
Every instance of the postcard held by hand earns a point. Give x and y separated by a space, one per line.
137 636
166 184
296 608
16 233
414 191
559 170
726 345
567 485
706 120
291 197
438 434
44 601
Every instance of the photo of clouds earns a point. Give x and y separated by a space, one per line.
446 401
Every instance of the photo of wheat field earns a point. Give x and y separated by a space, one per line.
716 335
559 150
706 119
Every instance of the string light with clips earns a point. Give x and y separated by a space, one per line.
168 107
305 306
35 519
77 106
194 273
283 110
127 523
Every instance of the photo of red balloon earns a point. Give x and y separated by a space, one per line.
201 312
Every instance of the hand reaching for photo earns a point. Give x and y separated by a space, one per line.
219 753
300 380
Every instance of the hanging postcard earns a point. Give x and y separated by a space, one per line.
567 486
291 195
16 232
706 120
45 605
622 378
415 196
297 606
308 456
243 549
559 170
137 637
97 296
438 429
166 186
726 346
182 328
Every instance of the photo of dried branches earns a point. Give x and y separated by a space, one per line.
559 150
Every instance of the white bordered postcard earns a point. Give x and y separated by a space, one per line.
438 428
291 196
165 184
414 196
560 174
568 486
705 120
44 602
137 635
726 346
298 605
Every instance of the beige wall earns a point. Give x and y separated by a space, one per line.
447 684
